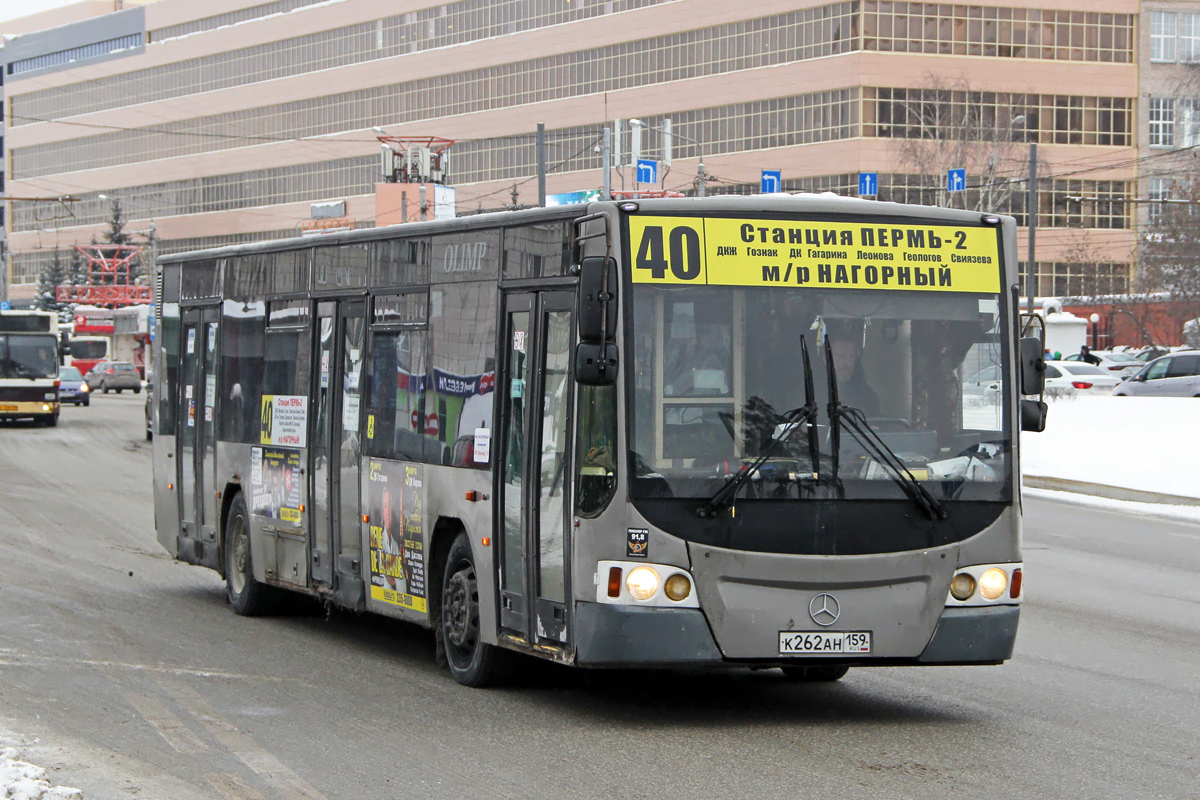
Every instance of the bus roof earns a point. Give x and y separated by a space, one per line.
816 205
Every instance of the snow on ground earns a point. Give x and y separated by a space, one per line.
1147 443
1160 510
20 780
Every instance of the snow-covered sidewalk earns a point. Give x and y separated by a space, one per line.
20 780
1148 444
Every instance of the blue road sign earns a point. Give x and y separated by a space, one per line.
956 180
868 184
772 181
4 305
647 171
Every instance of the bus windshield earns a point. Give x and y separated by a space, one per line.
28 357
715 368
89 348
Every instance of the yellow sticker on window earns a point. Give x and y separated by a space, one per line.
729 251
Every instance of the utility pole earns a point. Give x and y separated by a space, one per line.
1031 208
606 165
541 163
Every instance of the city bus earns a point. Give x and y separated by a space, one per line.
679 433
29 359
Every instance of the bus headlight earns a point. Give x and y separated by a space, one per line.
45 407
678 587
963 586
993 583
642 583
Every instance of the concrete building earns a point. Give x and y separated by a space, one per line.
225 121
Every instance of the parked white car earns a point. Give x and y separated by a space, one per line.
1122 365
1074 378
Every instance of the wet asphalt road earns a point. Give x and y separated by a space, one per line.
128 676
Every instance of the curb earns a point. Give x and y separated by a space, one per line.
1110 492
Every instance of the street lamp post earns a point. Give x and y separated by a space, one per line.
701 181
1095 319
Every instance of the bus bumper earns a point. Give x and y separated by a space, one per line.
610 635
18 410
973 636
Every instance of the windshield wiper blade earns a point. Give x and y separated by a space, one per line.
856 423
810 412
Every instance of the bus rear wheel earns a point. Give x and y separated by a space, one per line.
248 597
472 661
815 674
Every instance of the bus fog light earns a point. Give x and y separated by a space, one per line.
678 587
45 407
993 583
642 583
962 587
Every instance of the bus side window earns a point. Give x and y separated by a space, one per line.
596 449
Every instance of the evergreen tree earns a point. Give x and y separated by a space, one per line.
116 226
53 276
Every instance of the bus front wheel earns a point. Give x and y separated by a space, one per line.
248 597
817 674
472 661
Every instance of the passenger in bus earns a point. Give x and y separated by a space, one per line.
846 338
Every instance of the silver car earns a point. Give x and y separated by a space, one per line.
115 376
1176 375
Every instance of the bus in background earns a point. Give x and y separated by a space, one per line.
92 338
711 432
29 359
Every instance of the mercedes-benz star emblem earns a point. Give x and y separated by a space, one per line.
824 610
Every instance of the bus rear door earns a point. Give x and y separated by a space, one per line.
335 452
532 469
196 443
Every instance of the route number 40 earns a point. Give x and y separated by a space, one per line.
683 250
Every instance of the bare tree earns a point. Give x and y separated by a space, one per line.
945 125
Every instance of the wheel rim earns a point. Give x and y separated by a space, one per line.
460 614
238 551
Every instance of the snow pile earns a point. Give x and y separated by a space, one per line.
20 780
1147 443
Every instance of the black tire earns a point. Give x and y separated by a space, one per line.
248 597
137 390
149 435
104 387
119 391
471 661
50 421
87 402
815 674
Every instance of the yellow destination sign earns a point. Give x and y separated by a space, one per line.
732 251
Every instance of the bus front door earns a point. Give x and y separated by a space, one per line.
335 452
533 472
197 441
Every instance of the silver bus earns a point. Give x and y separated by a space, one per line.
729 431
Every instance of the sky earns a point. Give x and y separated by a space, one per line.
11 9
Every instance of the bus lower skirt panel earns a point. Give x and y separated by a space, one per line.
973 635
614 635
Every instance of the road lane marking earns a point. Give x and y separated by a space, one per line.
233 787
273 771
169 726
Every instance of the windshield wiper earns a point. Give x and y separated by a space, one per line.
805 415
856 423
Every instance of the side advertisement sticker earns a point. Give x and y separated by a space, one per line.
724 251
275 480
284 420
396 503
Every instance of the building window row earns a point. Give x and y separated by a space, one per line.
777 122
918 113
1079 278
999 32
1174 122
871 25
743 45
80 53
1174 37
229 18
439 26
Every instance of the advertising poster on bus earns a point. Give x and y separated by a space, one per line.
396 507
275 479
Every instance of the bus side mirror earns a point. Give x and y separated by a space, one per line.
596 364
598 299
1033 416
1033 365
